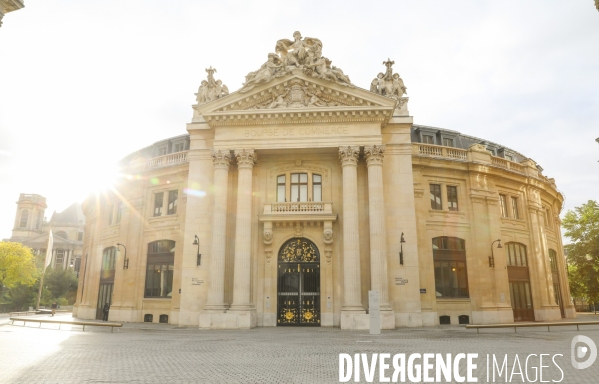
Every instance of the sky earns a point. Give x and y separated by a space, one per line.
84 83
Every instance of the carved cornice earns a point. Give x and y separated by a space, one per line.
246 158
374 154
349 155
221 159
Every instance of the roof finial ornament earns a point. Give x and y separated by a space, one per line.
211 89
388 84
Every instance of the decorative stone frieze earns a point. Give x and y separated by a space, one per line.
327 233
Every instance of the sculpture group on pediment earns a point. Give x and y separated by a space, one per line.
211 89
300 54
388 84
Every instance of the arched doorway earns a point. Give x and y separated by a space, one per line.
298 283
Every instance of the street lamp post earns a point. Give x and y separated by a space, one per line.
492 257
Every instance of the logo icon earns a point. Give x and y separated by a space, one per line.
580 352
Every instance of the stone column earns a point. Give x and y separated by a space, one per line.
246 158
352 294
378 241
216 294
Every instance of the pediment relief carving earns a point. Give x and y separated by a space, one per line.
297 93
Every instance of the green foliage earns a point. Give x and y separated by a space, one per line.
582 226
17 265
60 282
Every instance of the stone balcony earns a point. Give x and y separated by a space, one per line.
167 160
299 211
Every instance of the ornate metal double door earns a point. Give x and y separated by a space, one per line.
298 301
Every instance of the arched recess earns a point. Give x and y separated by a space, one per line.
451 277
106 288
519 280
298 283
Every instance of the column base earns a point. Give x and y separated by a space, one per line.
228 320
216 307
360 320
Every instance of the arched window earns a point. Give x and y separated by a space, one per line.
24 218
62 234
109 259
553 259
159 271
38 222
451 277
516 255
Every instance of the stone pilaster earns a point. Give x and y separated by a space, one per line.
378 242
351 237
216 295
246 158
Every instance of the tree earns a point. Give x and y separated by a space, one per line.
17 265
582 226
60 282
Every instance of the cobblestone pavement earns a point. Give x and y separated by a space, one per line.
157 353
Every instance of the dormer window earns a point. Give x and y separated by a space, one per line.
428 139
448 142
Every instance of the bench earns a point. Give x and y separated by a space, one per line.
540 324
71 322
24 313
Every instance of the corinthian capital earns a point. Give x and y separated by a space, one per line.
246 158
221 159
374 154
349 155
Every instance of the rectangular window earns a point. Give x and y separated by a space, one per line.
428 139
451 279
119 209
281 198
158 197
59 258
516 255
172 202
159 270
299 187
509 157
552 260
515 208
436 196
162 151
179 147
548 218
503 205
316 187
448 142
109 259
452 198
159 280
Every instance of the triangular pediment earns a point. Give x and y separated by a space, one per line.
300 98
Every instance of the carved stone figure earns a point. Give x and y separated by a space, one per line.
388 84
299 54
211 89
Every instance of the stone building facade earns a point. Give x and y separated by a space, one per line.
293 197
32 229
